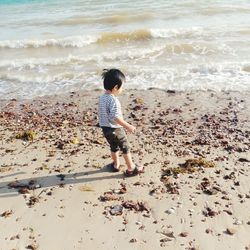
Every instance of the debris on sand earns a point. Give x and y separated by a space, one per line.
86 188
75 141
228 211
166 239
190 166
210 182
109 196
209 231
32 201
209 212
170 210
28 135
15 237
172 188
133 240
7 213
114 194
198 163
167 233
207 188
157 191
61 144
243 160
183 234
139 101
4 169
231 231
32 246
116 210
230 176
136 206
121 190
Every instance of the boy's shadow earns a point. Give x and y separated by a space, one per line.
59 179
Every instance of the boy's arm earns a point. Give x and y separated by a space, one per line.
126 125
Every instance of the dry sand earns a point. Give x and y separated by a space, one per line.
56 191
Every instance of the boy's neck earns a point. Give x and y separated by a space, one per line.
109 92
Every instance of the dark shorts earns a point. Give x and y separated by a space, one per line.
117 139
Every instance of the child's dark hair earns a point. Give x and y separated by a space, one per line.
111 78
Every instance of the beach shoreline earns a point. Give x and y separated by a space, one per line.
55 180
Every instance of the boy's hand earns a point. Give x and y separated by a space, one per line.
130 128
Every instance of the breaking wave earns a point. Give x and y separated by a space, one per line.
111 37
71 41
224 72
113 19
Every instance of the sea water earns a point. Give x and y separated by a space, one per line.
55 46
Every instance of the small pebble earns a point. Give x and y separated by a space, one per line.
183 234
230 231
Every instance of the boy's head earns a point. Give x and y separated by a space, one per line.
112 78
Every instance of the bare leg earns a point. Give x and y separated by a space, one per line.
129 161
115 158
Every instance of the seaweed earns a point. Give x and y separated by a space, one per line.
190 166
28 135
86 188
201 162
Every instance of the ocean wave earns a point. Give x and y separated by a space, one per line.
71 41
245 31
191 48
210 11
137 35
178 32
112 19
246 68
226 71
76 20
110 37
71 60
170 51
125 18
147 34
35 63
42 79
216 77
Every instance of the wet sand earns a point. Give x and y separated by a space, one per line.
57 192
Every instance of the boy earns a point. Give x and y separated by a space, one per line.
112 123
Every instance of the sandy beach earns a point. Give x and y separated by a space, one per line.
57 192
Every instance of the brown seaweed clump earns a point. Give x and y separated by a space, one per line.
196 163
190 166
28 135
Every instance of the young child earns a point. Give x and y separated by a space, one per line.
112 123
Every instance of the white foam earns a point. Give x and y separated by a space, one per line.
82 40
217 77
36 63
43 78
71 41
33 63
177 32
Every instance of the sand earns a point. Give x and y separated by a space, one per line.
57 191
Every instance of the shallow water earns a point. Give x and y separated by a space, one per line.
47 47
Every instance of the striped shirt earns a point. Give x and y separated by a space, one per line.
109 109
